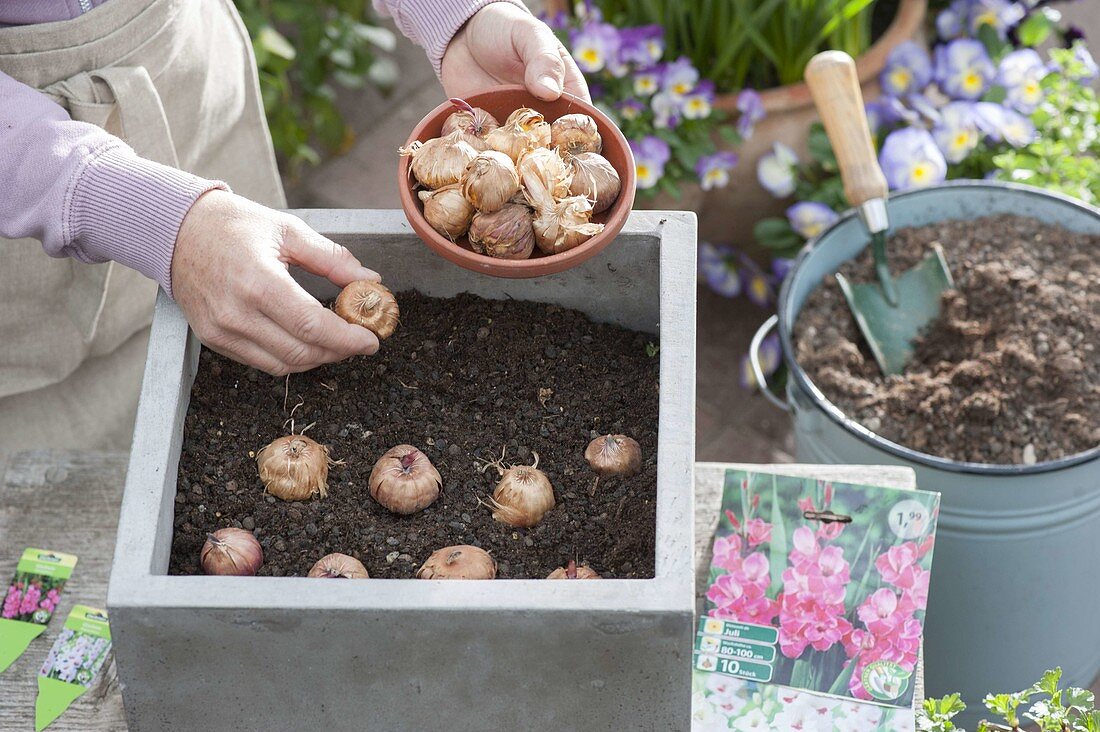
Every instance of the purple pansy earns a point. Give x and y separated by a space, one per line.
769 353
680 77
781 267
651 153
631 108
953 19
1016 129
648 80
594 46
956 134
751 107
910 159
714 170
642 45
999 14
699 101
1088 70
666 110
963 69
1021 74
756 285
908 69
810 218
716 265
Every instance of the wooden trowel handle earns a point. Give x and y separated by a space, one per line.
831 76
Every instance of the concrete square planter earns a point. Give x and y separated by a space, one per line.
281 653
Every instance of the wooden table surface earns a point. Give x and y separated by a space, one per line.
68 501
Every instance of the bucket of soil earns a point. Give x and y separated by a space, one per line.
999 410
482 373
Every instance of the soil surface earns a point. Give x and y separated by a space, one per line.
1009 373
461 379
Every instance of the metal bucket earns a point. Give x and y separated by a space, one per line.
1016 579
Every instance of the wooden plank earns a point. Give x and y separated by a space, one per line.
710 478
67 501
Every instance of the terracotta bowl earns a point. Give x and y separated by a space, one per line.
501 101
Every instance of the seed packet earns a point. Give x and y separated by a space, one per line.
30 600
73 664
815 605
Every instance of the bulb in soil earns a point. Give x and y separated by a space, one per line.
522 496
294 468
447 211
545 178
338 566
458 562
565 225
575 133
490 181
440 161
573 571
614 455
472 124
505 234
231 552
595 179
370 305
404 480
525 129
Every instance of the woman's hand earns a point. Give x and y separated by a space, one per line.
502 44
229 275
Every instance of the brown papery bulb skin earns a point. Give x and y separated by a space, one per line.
458 562
525 129
575 133
473 121
504 234
545 178
233 552
573 571
596 179
404 480
370 305
447 211
490 181
565 225
614 455
522 496
440 161
294 468
338 566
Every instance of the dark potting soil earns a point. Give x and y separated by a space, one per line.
1009 373
461 379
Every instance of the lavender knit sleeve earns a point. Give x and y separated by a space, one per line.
431 24
83 192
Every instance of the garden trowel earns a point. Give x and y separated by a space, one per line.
892 312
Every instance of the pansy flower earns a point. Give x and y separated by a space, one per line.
594 46
714 170
631 108
648 80
956 134
810 218
776 170
680 77
719 270
911 159
643 45
908 69
751 107
1021 74
651 153
963 69
698 103
666 110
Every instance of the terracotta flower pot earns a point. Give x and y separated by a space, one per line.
728 214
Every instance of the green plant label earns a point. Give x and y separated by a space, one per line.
742 631
30 600
734 649
73 664
761 672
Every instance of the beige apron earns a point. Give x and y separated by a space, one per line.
177 81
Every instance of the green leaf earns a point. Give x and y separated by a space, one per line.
381 38
383 72
1035 29
275 43
840 684
776 233
994 46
